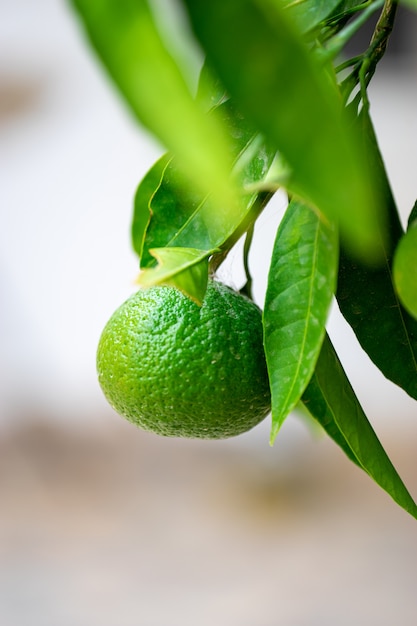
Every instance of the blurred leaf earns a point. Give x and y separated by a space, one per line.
405 270
368 300
301 284
143 197
184 268
183 217
308 14
279 84
411 4
210 92
126 39
331 400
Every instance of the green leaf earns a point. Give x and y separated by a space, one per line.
142 202
405 270
411 4
184 268
294 101
308 14
183 217
125 36
301 284
210 92
331 400
368 299
412 218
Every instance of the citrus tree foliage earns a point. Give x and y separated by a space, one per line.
277 105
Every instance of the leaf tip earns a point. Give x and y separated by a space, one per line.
273 435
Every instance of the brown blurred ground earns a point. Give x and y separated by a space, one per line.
111 526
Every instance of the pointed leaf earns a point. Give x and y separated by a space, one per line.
184 268
301 284
412 218
294 101
331 400
368 300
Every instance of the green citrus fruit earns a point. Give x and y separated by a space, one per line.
181 370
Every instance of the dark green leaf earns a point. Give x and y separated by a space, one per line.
331 401
301 284
277 82
368 300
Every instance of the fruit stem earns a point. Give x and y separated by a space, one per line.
256 209
247 287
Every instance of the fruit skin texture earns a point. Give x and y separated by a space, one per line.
180 370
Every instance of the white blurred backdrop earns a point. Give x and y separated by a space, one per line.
102 524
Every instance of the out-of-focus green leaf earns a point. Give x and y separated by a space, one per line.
308 14
405 270
129 44
368 300
301 283
184 268
411 4
275 80
183 217
143 197
331 400
210 92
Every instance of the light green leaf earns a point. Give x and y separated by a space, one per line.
293 100
184 268
405 270
129 44
301 284
331 400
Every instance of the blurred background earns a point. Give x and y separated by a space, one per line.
101 524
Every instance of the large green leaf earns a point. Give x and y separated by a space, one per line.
125 36
276 81
301 284
178 216
368 300
331 400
